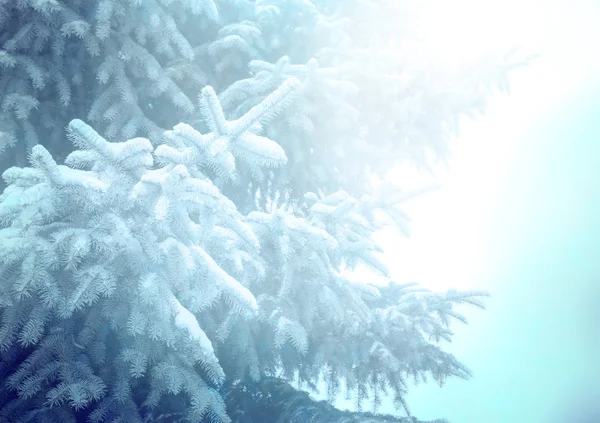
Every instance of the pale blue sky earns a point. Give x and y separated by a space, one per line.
520 216
538 249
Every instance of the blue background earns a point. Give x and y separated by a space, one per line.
534 352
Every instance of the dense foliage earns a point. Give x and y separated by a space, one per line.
188 249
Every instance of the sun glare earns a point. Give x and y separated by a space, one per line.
446 242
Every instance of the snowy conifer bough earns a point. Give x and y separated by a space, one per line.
130 271
163 278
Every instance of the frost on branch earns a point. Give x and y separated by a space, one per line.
117 248
160 268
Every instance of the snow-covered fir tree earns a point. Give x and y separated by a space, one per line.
187 236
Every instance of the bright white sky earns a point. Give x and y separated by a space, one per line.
449 226
442 251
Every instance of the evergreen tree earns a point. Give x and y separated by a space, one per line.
165 275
